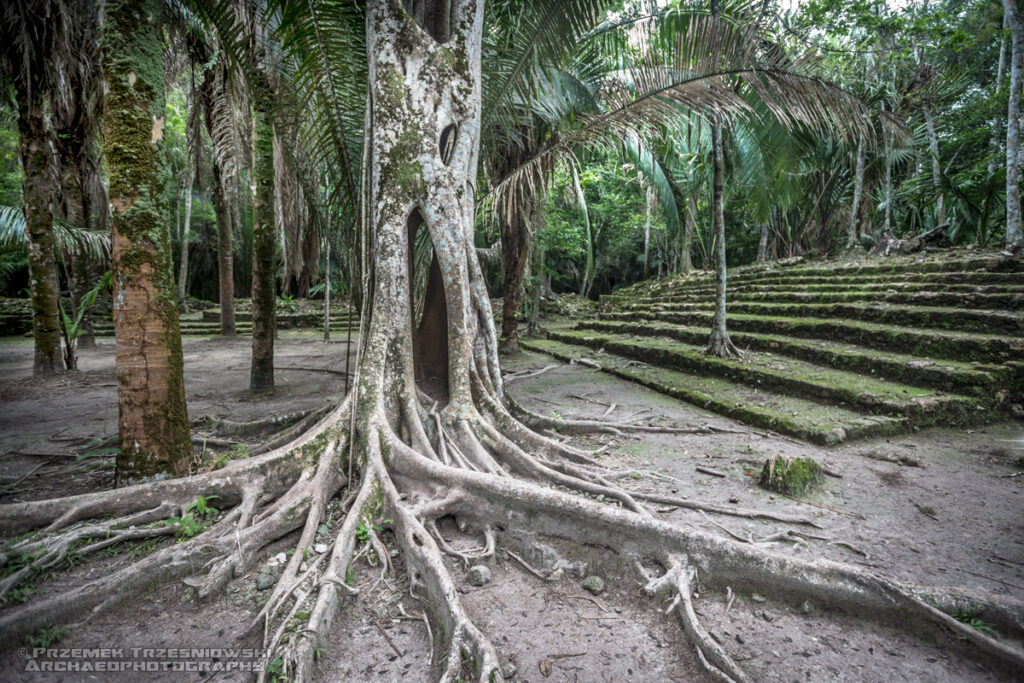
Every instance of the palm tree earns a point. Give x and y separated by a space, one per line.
32 33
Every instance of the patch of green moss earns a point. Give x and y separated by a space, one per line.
791 476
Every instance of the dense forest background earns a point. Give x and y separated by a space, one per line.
934 75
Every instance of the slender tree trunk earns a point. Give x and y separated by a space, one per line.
1014 234
997 121
515 252
538 286
226 260
762 244
152 419
649 196
327 290
933 147
185 230
887 222
858 191
689 225
264 245
719 344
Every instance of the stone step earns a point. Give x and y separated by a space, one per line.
923 343
780 294
705 283
960 319
975 379
860 393
758 407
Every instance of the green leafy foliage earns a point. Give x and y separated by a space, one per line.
198 516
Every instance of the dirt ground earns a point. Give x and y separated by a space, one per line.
955 520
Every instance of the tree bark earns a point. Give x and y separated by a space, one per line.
1014 234
719 344
852 230
689 225
762 244
264 245
887 221
933 147
185 230
997 122
225 252
515 252
649 201
327 289
152 418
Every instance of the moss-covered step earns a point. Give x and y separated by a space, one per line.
959 319
960 346
758 407
975 379
923 406
972 300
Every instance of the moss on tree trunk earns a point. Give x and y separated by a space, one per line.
152 418
42 265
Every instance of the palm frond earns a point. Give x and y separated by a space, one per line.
68 238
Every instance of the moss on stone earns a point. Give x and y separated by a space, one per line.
791 476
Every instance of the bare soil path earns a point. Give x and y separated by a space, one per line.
955 520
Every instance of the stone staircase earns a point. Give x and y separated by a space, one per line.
207 323
832 351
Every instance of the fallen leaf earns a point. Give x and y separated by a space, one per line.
545 668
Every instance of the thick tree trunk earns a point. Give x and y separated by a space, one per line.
152 419
37 163
853 228
719 344
1014 233
264 245
933 148
186 228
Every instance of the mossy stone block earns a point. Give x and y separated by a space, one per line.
791 476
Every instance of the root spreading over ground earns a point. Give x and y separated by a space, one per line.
490 472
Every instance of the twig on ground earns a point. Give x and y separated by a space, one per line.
712 471
387 638
526 565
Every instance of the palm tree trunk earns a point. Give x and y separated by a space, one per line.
152 418
762 244
887 223
327 289
649 196
719 344
858 192
36 162
933 146
689 225
226 259
515 252
1014 234
185 229
264 244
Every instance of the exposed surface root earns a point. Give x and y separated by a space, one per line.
476 469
